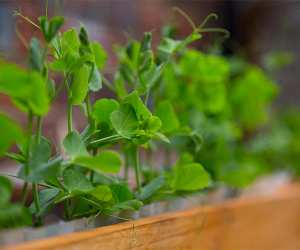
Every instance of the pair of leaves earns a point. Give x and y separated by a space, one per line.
50 27
132 120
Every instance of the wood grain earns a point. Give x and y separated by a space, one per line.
270 223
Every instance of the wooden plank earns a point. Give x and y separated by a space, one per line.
255 224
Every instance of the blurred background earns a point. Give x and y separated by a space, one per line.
257 27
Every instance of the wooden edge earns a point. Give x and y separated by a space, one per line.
71 240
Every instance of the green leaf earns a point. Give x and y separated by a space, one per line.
76 182
189 177
166 113
121 192
106 161
5 191
162 137
46 197
126 205
83 36
153 124
50 27
101 193
100 54
80 83
124 121
135 101
152 187
36 55
70 41
41 168
28 88
14 215
74 145
95 81
103 109
10 133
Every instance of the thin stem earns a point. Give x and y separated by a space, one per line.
94 152
89 110
126 170
136 163
17 13
216 30
37 203
186 16
106 139
35 185
27 154
108 84
70 117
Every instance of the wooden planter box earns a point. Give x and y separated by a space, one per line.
261 223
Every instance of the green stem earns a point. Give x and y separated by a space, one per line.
37 203
27 154
126 170
70 117
106 139
35 188
89 110
137 167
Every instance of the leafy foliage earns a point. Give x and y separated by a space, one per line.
166 100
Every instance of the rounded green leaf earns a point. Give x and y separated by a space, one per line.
106 161
124 121
189 177
102 193
103 108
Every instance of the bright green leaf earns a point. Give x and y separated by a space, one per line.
103 108
79 86
106 161
10 133
101 193
189 177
